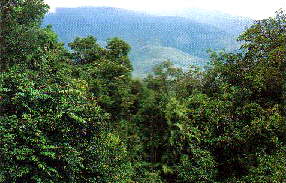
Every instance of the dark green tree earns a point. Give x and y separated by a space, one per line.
108 72
245 112
86 50
20 34
52 128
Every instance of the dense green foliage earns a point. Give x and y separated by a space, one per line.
20 35
78 116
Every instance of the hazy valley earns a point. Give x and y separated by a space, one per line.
182 38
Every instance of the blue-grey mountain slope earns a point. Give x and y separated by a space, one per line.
153 38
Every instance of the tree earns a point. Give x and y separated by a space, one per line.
86 50
245 108
108 72
52 129
19 30
265 56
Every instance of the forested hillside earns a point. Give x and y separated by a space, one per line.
76 115
234 25
186 39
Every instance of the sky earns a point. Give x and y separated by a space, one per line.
256 9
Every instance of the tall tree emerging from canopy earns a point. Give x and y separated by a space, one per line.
52 128
107 70
19 29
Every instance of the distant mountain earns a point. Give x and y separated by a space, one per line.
231 24
151 55
153 38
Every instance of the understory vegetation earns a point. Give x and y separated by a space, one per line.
77 115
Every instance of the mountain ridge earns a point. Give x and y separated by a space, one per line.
140 29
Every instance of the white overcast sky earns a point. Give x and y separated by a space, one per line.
256 9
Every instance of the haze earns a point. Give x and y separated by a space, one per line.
255 9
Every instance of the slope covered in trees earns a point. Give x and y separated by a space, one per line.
182 37
78 116
234 25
